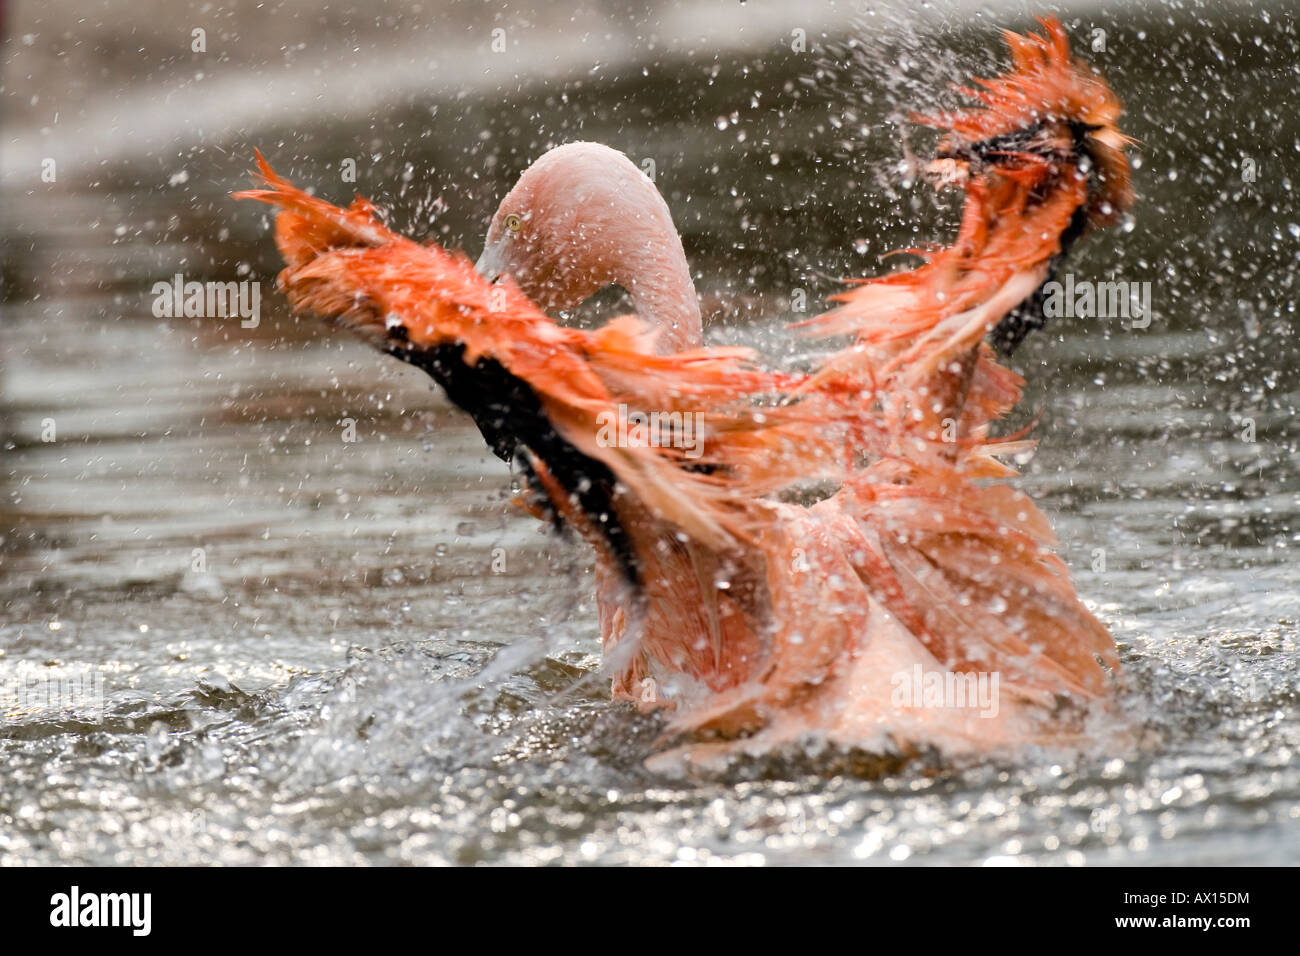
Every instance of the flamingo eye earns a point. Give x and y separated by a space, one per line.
513 224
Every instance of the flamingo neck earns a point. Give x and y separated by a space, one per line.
584 217
663 293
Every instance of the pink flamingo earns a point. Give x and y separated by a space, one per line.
751 619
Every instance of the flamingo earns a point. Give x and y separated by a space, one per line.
753 619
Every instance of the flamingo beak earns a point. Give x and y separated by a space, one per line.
492 263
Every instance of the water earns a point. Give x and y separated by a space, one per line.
322 651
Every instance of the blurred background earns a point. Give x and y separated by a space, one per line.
295 631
